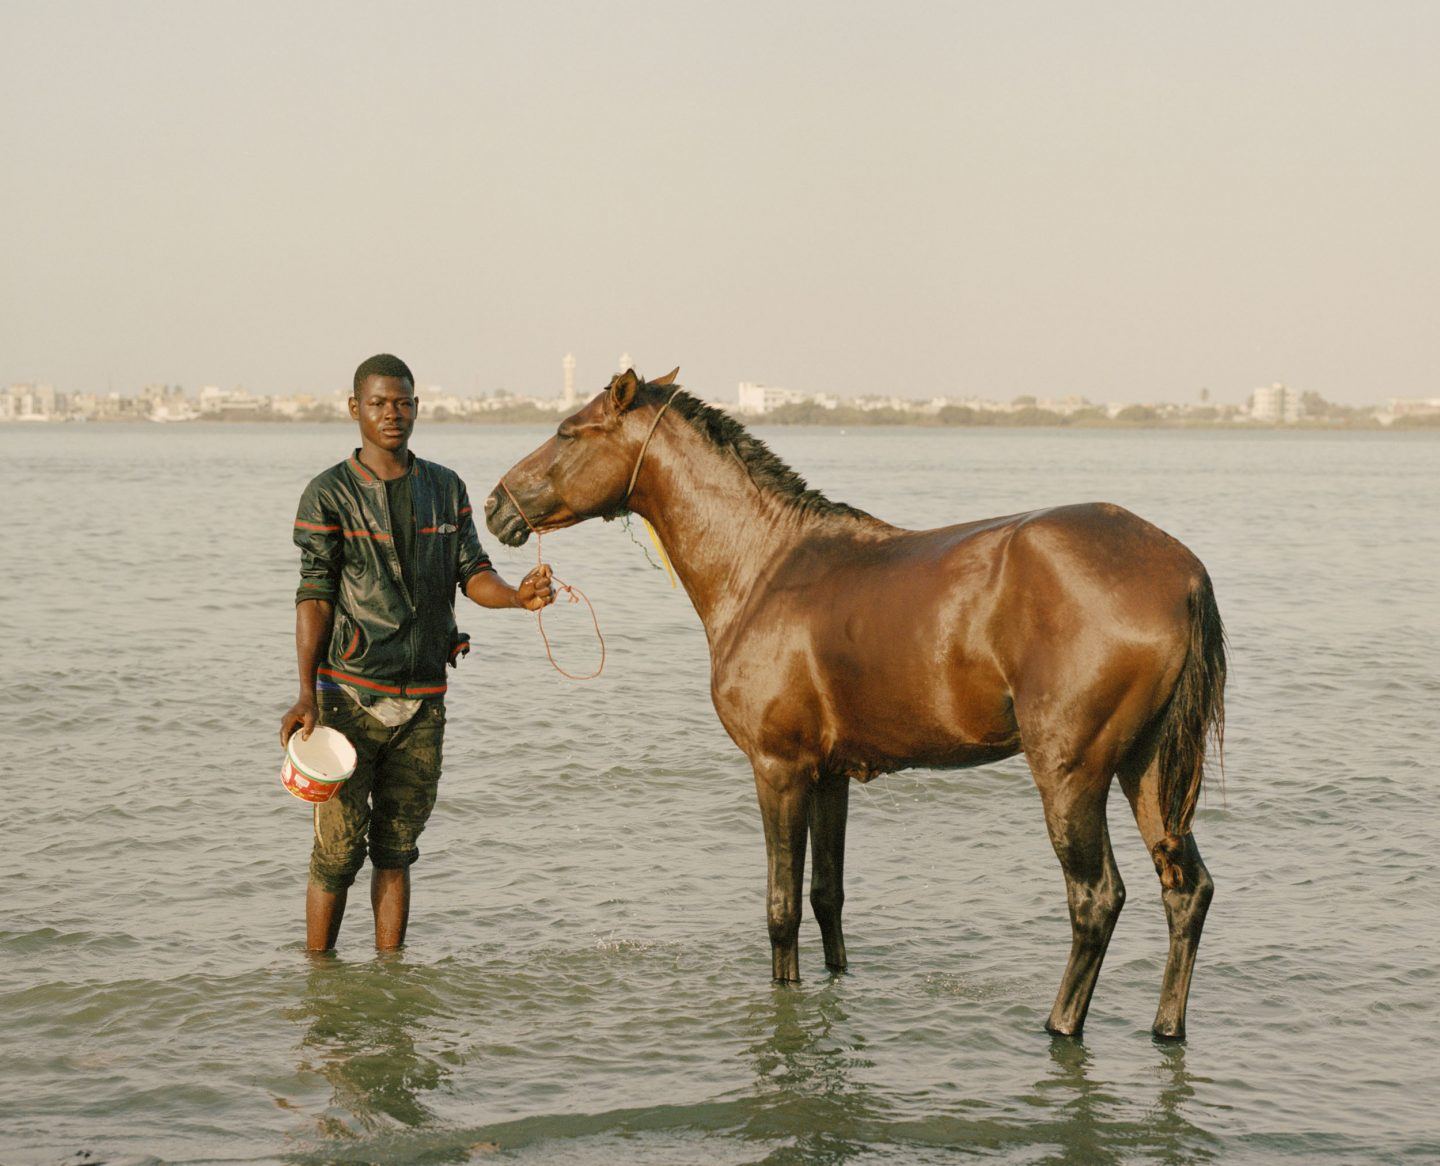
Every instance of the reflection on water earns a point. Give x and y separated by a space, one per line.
817 1097
809 1078
1175 1137
1076 1106
1083 1115
815 1093
363 1024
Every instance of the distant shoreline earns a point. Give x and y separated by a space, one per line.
849 419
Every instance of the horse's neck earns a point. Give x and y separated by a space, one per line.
722 532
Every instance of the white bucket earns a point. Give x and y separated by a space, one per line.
317 766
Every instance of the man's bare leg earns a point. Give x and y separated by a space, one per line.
390 898
323 912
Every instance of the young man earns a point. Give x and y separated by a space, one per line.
385 541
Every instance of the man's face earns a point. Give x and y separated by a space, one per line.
385 408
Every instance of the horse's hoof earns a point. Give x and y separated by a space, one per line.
1168 1034
1056 1030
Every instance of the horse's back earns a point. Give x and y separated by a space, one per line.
1090 557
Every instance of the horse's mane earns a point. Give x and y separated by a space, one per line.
766 470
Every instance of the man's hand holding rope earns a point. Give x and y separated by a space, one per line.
535 590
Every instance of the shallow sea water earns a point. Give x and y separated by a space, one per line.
587 974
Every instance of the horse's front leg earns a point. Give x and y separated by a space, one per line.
829 807
784 795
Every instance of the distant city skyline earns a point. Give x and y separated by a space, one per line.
1275 404
567 390
1128 202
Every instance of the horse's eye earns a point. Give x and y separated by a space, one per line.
563 434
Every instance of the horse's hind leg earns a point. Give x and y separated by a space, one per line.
1075 816
829 807
1185 905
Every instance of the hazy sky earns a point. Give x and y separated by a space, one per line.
1124 200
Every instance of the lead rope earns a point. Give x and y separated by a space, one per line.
576 595
575 592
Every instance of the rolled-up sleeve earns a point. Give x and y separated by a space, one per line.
473 558
322 547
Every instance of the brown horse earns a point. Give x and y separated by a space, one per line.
843 647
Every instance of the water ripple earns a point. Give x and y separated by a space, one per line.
587 979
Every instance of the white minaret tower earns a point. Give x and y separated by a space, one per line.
625 362
568 364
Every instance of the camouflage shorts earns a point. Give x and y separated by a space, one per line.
387 801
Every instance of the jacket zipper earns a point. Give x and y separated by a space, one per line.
394 557
414 564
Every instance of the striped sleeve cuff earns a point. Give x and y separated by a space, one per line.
315 589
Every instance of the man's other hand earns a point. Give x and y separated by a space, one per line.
301 715
535 591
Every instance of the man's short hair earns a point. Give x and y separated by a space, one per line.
381 365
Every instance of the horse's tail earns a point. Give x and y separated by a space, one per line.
1195 713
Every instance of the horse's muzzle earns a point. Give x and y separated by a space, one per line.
504 521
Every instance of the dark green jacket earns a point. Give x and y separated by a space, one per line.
386 640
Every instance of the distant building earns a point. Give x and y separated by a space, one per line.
237 404
1063 405
871 403
979 404
1277 404
292 407
442 405
1413 407
568 367
30 403
759 398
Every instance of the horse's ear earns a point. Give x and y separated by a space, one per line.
623 389
668 378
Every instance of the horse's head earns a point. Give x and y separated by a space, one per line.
586 469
